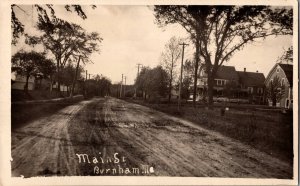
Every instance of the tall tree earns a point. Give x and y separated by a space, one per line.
153 82
220 31
140 82
47 70
66 41
30 64
169 60
68 74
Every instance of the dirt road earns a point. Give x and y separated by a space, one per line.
107 136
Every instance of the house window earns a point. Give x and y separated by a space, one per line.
279 90
282 82
220 82
250 90
277 70
259 90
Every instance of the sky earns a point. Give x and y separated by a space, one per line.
130 36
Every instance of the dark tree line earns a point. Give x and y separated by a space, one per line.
98 86
152 82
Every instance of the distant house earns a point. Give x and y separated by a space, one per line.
252 86
241 84
285 74
225 75
19 81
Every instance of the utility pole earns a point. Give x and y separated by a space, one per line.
138 65
85 83
139 68
180 85
125 88
121 87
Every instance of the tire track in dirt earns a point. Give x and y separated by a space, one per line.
39 151
104 126
225 160
160 155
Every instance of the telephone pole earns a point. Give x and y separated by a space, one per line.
121 87
139 68
125 87
138 65
180 85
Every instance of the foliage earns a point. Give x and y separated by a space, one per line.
169 60
66 41
220 31
31 64
153 82
185 89
45 11
189 67
287 56
275 90
99 86
68 74
141 79
46 68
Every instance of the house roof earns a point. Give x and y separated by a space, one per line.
251 78
227 72
288 70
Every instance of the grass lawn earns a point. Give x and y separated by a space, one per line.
267 130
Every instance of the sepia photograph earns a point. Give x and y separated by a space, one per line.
184 90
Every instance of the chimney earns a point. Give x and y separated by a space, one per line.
244 69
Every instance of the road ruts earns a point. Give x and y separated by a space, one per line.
143 136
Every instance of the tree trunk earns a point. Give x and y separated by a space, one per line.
196 70
274 102
75 78
170 88
171 79
26 84
58 78
145 95
51 82
210 90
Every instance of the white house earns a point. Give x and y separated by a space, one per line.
285 74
